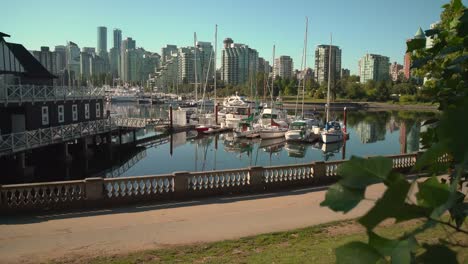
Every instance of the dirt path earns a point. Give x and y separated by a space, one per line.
45 237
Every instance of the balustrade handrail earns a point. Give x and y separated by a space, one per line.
41 184
196 173
177 184
290 165
145 177
24 93
45 136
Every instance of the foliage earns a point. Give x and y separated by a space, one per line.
445 65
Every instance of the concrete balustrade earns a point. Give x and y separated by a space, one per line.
93 192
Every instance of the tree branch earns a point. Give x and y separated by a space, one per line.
449 224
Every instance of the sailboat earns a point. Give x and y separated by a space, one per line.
332 131
204 120
276 124
301 128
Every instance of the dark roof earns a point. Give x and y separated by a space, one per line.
33 68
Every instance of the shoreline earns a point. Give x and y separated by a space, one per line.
368 106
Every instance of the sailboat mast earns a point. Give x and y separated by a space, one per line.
329 75
273 77
195 65
305 65
215 52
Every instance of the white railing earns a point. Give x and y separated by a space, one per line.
32 93
130 122
179 184
211 180
138 186
16 142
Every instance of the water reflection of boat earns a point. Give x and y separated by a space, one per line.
272 142
296 150
332 147
272 145
329 149
238 146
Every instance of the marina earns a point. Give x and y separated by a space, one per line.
158 152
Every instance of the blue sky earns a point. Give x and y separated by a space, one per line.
358 26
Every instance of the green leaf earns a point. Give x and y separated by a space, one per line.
463 26
357 252
398 250
341 198
459 211
430 156
453 127
358 173
415 44
393 205
451 49
432 193
437 254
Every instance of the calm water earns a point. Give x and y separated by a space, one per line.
371 133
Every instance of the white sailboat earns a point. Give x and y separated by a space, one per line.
272 128
332 131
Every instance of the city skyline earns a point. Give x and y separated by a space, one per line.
255 24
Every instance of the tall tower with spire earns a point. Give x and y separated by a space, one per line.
407 63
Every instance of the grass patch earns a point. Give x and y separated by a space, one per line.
309 245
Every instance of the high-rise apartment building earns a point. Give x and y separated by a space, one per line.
263 66
167 52
374 67
322 64
73 60
407 63
283 67
89 50
115 53
86 60
239 62
345 73
102 41
47 58
117 38
126 54
206 56
395 70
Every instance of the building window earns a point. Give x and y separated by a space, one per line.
98 110
86 111
74 112
45 115
61 114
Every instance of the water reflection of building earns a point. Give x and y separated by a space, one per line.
368 132
393 125
409 137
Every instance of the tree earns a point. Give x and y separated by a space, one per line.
446 64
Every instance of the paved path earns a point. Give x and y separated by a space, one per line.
45 237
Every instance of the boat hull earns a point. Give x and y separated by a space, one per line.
331 137
275 133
